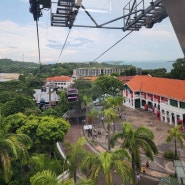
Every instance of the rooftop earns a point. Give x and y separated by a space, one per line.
59 78
170 88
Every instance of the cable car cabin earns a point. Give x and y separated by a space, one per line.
72 94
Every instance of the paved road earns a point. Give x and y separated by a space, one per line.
159 167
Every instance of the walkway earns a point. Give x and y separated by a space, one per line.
157 168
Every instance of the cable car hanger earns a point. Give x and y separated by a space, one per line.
135 14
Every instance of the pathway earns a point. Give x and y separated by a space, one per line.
159 167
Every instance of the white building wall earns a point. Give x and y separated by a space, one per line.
60 84
168 113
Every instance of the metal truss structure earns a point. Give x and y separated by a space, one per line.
135 15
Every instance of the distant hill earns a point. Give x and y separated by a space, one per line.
48 70
10 66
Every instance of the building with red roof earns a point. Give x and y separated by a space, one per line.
125 79
163 96
90 78
62 82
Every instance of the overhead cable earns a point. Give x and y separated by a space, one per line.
38 42
112 46
64 45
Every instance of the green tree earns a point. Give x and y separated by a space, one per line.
107 85
110 117
18 104
83 84
87 105
45 131
175 135
92 115
34 82
13 122
48 177
63 105
107 164
84 88
40 162
136 140
6 96
51 130
131 71
145 72
75 156
12 147
178 71
50 112
113 102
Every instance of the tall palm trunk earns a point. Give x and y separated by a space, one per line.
108 127
134 165
175 149
74 176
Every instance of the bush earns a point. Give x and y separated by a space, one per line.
170 155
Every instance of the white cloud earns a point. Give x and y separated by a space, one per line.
85 44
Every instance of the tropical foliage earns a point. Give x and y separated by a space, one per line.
110 118
107 85
178 71
47 177
136 140
107 164
44 131
18 104
113 102
12 147
175 135
75 156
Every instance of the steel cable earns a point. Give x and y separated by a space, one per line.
112 46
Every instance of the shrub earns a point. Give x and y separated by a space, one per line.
169 154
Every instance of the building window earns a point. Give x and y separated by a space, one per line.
174 103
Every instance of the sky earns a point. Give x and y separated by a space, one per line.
18 36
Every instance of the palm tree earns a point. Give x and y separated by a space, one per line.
75 156
177 136
87 102
113 102
40 162
110 116
92 114
136 141
48 177
12 146
107 164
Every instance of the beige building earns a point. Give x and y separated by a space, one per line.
61 82
79 72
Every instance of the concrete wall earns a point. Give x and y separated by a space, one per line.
176 12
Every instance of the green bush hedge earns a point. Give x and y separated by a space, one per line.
169 154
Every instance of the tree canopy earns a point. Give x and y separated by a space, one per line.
136 140
45 131
107 85
17 104
178 71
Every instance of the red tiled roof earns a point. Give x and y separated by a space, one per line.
125 79
90 78
59 78
170 88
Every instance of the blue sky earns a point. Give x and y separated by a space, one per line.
18 39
